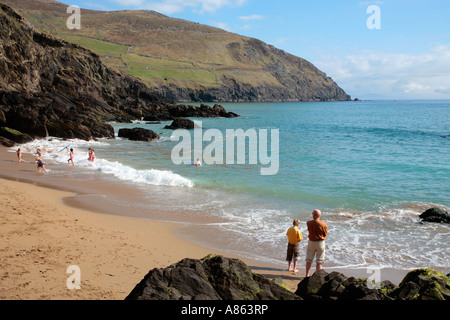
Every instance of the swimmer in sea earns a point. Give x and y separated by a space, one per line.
198 163
91 155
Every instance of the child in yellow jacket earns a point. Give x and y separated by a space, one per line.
293 250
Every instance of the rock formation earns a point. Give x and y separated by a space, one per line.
181 124
211 278
50 87
435 215
220 278
188 61
138 134
336 286
423 284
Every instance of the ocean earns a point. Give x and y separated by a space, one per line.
371 167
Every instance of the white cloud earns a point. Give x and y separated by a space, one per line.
173 6
252 17
392 75
222 25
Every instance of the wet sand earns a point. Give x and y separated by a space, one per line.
45 228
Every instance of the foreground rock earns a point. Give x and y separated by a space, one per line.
336 286
420 284
211 278
424 284
138 134
435 215
220 278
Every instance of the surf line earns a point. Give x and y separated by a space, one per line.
234 142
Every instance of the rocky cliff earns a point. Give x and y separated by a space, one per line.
52 87
187 61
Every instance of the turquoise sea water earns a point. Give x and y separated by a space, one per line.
371 166
345 154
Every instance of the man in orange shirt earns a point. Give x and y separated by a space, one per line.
293 250
318 231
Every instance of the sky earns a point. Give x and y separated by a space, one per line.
390 49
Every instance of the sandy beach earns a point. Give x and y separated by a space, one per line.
42 236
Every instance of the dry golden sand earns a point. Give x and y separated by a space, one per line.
41 237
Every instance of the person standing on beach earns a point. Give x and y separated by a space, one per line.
293 249
40 164
19 155
317 233
71 157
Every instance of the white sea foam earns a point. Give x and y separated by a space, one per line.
51 150
150 176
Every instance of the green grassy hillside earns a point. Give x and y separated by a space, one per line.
183 59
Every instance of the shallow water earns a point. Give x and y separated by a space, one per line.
372 167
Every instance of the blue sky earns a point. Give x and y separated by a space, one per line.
407 58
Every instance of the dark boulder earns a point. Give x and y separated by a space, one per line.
203 111
6 142
14 135
308 287
423 284
335 286
211 278
138 134
163 116
174 111
420 284
181 124
219 110
151 117
435 215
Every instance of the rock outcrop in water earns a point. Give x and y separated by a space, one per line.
138 134
435 215
181 124
52 87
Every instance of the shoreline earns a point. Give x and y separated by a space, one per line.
114 251
42 235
